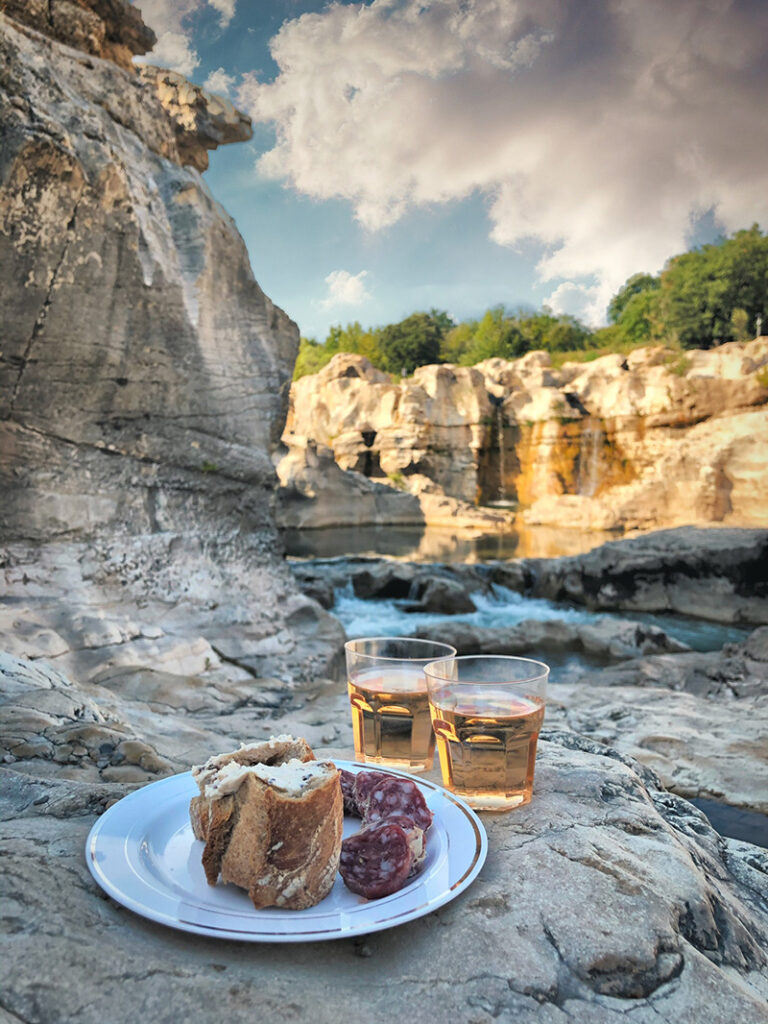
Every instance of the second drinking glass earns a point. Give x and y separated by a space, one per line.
487 711
388 698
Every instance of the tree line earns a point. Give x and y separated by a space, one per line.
702 298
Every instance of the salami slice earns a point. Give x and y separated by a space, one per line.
364 783
376 861
414 834
395 795
348 793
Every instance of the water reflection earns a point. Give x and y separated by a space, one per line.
440 544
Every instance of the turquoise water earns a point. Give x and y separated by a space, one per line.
506 608
501 609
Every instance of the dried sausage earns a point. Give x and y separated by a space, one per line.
414 834
348 793
364 783
376 861
395 795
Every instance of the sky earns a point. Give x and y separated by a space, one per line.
460 154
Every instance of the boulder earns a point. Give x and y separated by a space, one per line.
605 640
437 594
315 492
384 580
718 574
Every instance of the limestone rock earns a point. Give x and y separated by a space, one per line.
112 29
622 443
719 574
427 426
134 724
606 639
436 594
135 317
144 379
699 720
316 492
201 121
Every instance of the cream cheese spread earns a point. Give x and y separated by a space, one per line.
293 777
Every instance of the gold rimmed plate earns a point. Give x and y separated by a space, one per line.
143 853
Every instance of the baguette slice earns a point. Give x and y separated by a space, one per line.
271 826
276 750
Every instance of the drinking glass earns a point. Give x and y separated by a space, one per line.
388 698
486 714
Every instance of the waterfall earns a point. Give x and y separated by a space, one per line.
500 435
589 458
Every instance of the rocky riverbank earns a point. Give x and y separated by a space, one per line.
649 440
700 719
715 574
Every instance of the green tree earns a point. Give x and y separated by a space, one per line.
413 342
495 336
740 325
545 330
633 286
639 322
701 289
442 320
311 357
457 341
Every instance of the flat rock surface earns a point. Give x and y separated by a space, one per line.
699 720
606 899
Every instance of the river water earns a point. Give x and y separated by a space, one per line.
502 609
434 544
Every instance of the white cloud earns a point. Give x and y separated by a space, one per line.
226 9
601 130
171 21
219 82
345 289
173 50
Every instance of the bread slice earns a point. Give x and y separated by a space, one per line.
270 826
276 750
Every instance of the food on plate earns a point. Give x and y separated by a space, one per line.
395 795
347 780
275 750
416 838
364 783
271 817
376 861
391 845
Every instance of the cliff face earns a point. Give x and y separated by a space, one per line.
144 375
653 439
134 326
112 29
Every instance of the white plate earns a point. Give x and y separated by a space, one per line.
143 853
